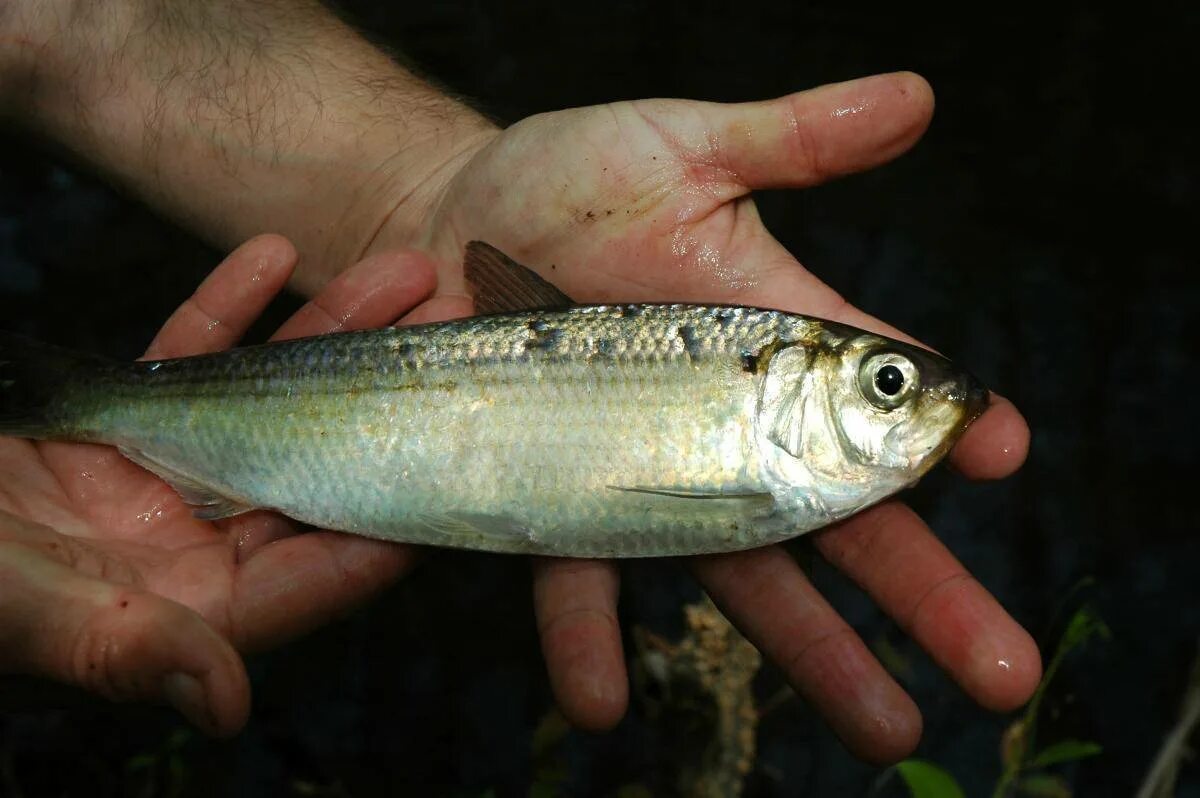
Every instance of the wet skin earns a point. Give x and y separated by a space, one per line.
635 201
648 201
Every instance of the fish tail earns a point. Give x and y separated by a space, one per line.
36 379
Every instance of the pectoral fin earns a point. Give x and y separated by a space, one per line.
679 493
749 503
206 504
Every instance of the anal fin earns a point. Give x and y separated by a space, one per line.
498 532
206 504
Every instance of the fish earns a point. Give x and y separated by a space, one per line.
538 426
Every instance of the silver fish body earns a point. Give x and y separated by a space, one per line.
597 431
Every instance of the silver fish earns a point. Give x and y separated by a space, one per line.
621 430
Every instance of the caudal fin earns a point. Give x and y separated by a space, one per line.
35 379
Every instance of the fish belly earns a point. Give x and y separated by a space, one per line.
559 458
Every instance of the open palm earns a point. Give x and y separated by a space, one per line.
146 599
649 200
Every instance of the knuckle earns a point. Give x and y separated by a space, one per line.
796 662
928 601
104 652
804 142
556 623
860 539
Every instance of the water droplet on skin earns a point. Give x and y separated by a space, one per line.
1004 664
87 475
851 110
212 325
150 515
244 541
697 256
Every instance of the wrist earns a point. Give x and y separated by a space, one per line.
237 117
411 190
394 176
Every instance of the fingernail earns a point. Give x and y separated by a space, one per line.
185 692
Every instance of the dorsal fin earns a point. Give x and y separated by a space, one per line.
501 284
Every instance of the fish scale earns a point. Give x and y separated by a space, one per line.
443 416
607 430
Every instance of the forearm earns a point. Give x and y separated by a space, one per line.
238 117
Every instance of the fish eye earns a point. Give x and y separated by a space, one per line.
887 379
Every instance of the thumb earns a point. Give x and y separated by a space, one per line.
807 138
120 642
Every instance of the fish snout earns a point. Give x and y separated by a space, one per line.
976 397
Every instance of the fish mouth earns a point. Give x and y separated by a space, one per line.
966 393
976 399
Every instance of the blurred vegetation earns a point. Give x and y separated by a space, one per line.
162 772
1026 770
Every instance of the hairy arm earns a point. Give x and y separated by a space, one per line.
238 116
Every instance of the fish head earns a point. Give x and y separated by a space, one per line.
900 406
849 417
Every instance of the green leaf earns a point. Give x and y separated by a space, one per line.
927 780
141 762
1083 625
1065 751
1044 786
179 738
551 730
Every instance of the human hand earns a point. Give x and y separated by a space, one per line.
347 153
108 582
649 200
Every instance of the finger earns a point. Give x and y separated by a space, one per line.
228 301
249 532
810 137
374 292
775 606
297 584
995 445
440 308
117 641
894 557
576 606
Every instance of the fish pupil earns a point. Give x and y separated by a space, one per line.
889 380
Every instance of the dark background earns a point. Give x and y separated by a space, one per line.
1042 232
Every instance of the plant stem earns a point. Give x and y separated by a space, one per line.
1160 780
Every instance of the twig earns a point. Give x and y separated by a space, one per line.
1160 780
777 699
